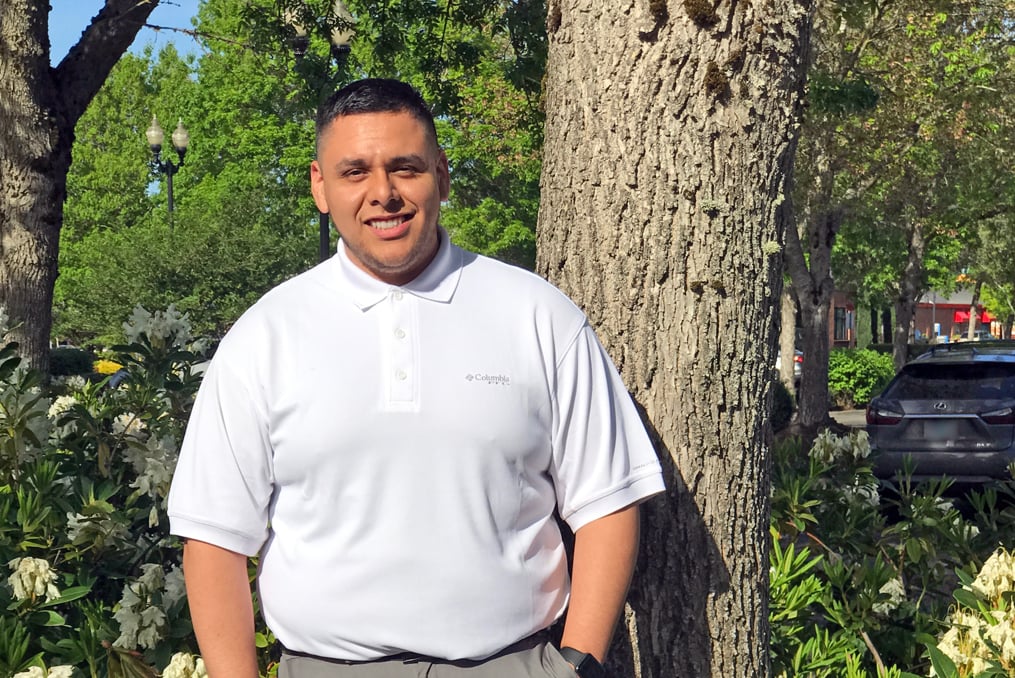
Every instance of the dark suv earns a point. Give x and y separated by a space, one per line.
951 411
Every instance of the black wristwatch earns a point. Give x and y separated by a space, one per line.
585 665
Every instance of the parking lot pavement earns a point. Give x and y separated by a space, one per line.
854 418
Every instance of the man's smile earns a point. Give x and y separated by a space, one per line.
385 224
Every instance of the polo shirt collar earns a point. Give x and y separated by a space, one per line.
437 282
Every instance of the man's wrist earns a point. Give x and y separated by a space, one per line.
585 665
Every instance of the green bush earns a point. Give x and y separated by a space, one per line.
66 361
857 375
782 406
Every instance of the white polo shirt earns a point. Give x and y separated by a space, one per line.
395 455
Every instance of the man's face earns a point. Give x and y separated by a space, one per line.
382 179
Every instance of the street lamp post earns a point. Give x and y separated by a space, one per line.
340 39
181 139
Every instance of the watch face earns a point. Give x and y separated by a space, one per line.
586 666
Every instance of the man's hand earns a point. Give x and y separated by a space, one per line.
219 594
605 552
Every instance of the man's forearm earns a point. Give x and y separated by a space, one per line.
220 606
605 552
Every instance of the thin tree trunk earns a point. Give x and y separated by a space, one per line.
669 137
813 286
887 333
787 341
974 312
875 337
909 292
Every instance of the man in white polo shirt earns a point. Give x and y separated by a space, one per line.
392 433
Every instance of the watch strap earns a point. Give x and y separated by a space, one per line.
585 665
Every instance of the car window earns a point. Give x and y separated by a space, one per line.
957 382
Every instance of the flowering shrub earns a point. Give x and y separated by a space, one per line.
859 570
94 585
980 640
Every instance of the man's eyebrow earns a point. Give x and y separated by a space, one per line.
359 163
411 159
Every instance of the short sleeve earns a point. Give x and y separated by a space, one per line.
603 460
223 482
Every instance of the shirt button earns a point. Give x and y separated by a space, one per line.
400 375
400 333
397 295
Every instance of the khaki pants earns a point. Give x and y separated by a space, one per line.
537 659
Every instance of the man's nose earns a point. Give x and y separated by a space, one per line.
382 189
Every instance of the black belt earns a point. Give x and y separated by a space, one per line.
526 643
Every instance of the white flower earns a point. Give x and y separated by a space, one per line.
163 328
142 623
32 672
154 463
61 405
32 578
61 672
72 382
996 576
185 665
894 592
129 424
98 530
175 589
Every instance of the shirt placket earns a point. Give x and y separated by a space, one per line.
402 349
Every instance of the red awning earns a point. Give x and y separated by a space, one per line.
963 317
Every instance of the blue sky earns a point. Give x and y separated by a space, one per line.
69 18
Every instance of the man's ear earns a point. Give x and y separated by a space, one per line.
317 187
443 176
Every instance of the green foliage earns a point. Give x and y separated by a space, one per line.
840 96
861 573
94 576
857 375
67 360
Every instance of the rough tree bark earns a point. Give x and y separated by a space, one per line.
670 134
39 108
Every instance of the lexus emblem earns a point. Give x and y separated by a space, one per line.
940 406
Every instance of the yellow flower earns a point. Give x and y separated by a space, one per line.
106 366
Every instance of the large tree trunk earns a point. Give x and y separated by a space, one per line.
669 139
40 107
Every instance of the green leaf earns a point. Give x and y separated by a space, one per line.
944 667
73 593
46 618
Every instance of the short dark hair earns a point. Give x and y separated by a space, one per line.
375 95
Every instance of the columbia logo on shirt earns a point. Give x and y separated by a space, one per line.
495 379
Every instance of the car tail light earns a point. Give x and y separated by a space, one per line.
798 359
879 416
1000 417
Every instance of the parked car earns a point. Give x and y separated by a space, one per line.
951 411
798 361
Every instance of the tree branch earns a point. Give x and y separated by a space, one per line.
81 73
